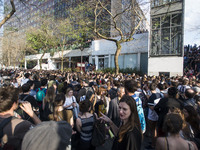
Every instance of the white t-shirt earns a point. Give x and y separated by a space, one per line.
69 101
23 81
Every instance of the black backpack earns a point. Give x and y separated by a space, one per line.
2 125
112 93
99 133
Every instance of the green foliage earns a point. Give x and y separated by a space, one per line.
67 70
76 70
81 24
42 38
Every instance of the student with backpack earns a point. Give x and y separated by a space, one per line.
8 104
41 92
47 104
130 88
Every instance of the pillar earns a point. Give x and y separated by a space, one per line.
97 62
138 61
25 64
109 60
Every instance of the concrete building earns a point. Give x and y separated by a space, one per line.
1 29
166 37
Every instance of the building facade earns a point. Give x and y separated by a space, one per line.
166 37
134 54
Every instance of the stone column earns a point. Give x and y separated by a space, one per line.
25 64
97 62
109 60
138 63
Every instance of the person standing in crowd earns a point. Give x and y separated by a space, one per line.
163 107
102 104
27 97
36 81
70 104
32 92
113 112
129 134
193 120
189 98
130 88
25 79
48 135
152 115
84 124
8 104
59 113
47 104
172 125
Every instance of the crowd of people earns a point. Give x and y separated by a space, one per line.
192 60
56 110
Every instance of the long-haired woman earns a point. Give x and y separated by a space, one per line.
47 106
59 113
192 118
129 134
172 125
70 103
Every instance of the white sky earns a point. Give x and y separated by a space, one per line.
192 22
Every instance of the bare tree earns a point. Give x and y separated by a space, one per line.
118 23
14 48
8 16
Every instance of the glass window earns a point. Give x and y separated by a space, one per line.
166 39
155 23
165 21
155 46
176 20
165 42
130 61
176 40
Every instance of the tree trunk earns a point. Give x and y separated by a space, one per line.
8 16
81 57
62 62
119 47
62 56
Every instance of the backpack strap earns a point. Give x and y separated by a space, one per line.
3 124
25 97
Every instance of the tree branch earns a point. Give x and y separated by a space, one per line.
113 17
10 14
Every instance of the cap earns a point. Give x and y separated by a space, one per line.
49 135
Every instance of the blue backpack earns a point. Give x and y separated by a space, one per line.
40 95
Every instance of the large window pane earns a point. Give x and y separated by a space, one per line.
106 62
121 61
176 20
155 23
176 40
165 43
165 21
130 61
155 45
